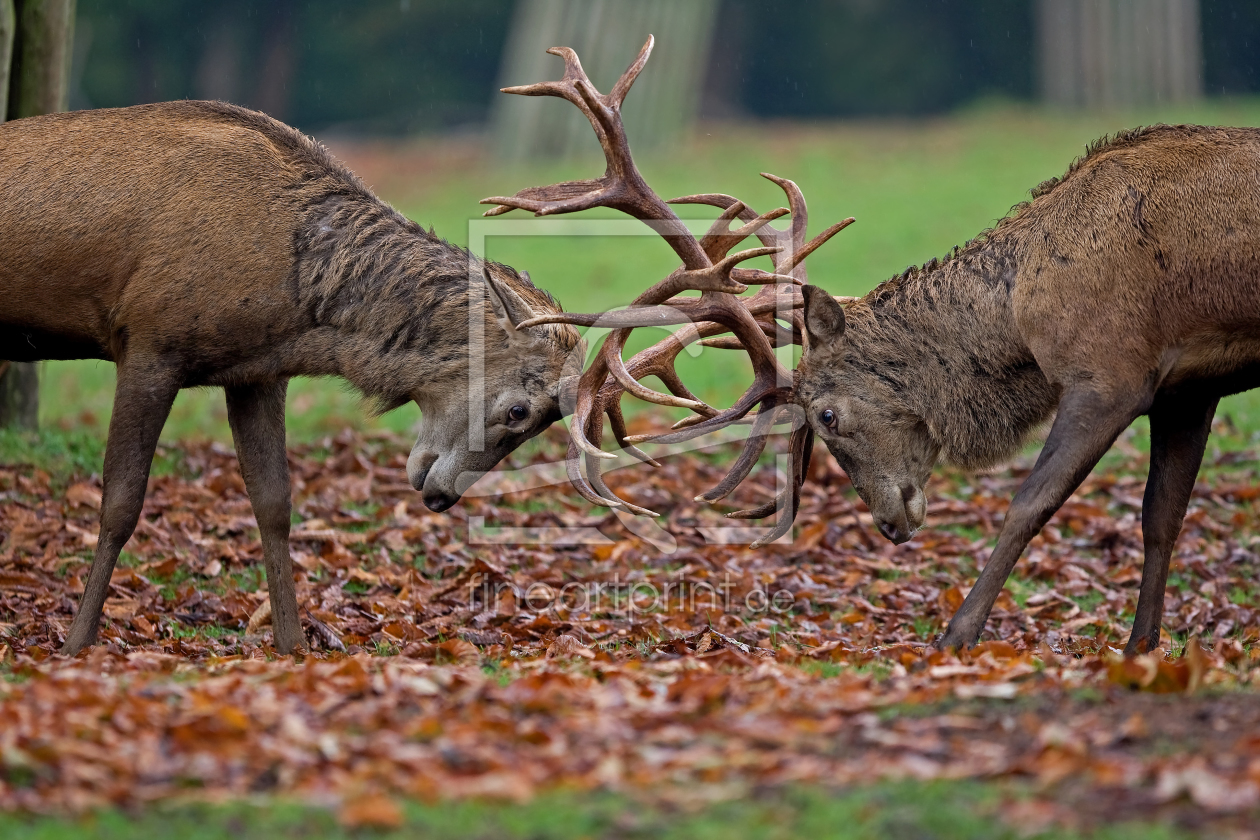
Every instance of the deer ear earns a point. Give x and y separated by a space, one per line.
509 307
824 318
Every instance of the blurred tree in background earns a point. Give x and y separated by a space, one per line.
384 66
408 66
607 35
827 58
1108 53
35 49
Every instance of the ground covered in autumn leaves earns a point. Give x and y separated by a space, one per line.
526 644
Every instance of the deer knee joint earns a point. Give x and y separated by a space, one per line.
273 516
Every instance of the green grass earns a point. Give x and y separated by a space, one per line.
917 188
941 811
60 453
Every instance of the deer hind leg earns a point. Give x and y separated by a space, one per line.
1084 428
142 400
1179 433
256 415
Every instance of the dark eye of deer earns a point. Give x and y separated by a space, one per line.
517 413
828 418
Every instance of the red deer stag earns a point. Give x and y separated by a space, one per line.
708 268
1129 286
194 244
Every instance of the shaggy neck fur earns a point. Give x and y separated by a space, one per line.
942 339
388 301
385 303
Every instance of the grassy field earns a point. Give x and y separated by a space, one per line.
917 189
936 810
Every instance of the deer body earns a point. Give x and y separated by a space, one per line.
198 244
1131 286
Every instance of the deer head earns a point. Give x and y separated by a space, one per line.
526 373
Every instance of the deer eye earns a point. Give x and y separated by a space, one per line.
517 413
828 418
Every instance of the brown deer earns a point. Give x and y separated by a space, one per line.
1130 286
200 244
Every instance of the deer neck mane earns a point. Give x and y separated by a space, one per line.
944 339
386 302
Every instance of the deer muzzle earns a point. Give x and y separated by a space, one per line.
419 468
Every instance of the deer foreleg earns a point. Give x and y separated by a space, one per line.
256 415
1179 433
1085 427
142 400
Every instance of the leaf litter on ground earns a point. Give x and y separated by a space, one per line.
525 642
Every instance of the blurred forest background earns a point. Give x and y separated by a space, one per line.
925 119
409 66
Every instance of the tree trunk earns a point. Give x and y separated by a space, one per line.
272 95
606 34
41 66
36 72
1119 53
19 395
8 29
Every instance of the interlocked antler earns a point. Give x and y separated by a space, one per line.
767 307
707 268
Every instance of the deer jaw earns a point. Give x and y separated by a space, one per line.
521 395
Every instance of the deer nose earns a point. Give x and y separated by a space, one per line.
438 502
894 534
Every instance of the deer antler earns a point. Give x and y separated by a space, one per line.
708 268
766 308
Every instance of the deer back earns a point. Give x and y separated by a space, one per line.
1144 260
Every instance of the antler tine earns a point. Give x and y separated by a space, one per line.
779 337
658 361
768 238
618 94
588 410
721 239
584 450
708 307
621 187
596 478
800 447
618 422
796 259
708 268
572 464
565 88
800 218
757 436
